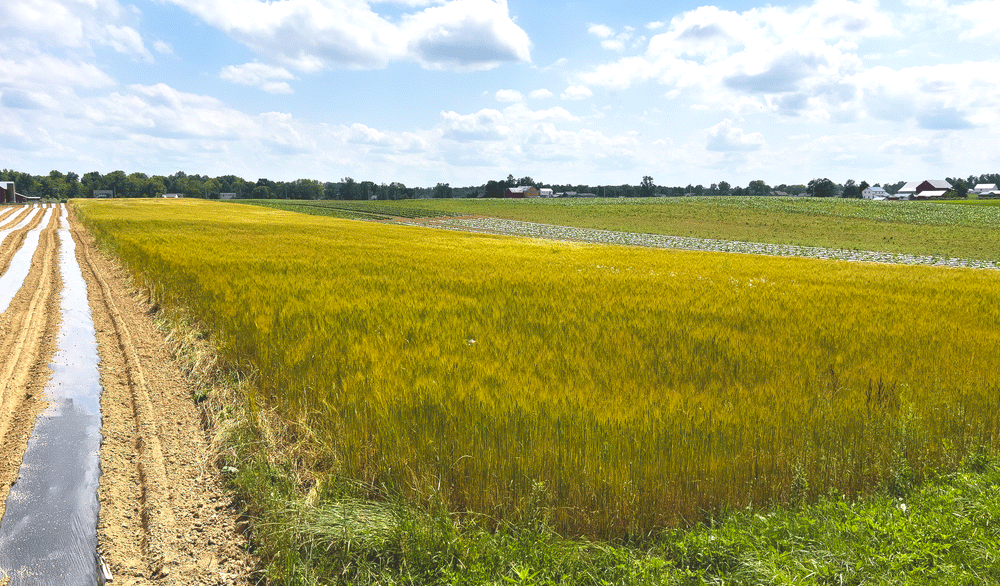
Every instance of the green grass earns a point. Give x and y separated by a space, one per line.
943 532
921 228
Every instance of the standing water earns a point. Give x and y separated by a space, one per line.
48 534
20 265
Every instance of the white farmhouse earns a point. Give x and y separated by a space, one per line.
876 193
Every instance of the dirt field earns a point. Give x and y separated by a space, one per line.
164 517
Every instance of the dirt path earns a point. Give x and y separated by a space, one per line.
164 517
27 341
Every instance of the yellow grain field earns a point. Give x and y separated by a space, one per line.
618 389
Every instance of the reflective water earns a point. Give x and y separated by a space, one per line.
48 534
20 265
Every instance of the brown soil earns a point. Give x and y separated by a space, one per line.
27 342
165 518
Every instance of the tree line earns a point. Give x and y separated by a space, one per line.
58 185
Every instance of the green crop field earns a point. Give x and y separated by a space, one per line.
625 389
917 227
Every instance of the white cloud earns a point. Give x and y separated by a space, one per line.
725 137
509 96
601 31
163 47
576 92
978 20
54 25
124 39
307 35
160 110
540 94
259 75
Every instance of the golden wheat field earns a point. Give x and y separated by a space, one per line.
618 389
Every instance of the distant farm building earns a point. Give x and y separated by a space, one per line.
227 196
986 190
173 195
7 191
875 193
545 192
104 193
927 189
9 194
521 191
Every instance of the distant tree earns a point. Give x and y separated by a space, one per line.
821 188
348 189
758 187
443 190
494 189
851 189
893 188
862 187
510 181
960 188
647 188
724 188
526 181
262 192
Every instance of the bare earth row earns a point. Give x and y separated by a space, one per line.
163 516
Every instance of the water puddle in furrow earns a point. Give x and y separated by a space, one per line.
48 534
20 265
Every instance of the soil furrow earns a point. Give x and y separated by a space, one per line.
13 219
164 517
27 341
12 243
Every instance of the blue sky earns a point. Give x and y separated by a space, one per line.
463 91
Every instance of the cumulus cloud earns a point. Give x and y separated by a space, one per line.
601 31
804 62
462 35
71 25
260 75
576 92
725 137
163 111
540 94
509 96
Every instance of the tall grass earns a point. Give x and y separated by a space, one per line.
610 390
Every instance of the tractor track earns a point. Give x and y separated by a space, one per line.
164 517
27 342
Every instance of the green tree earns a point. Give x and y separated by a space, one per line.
443 190
851 189
348 188
821 188
758 187
724 188
647 188
494 189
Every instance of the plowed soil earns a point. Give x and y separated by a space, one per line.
165 518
